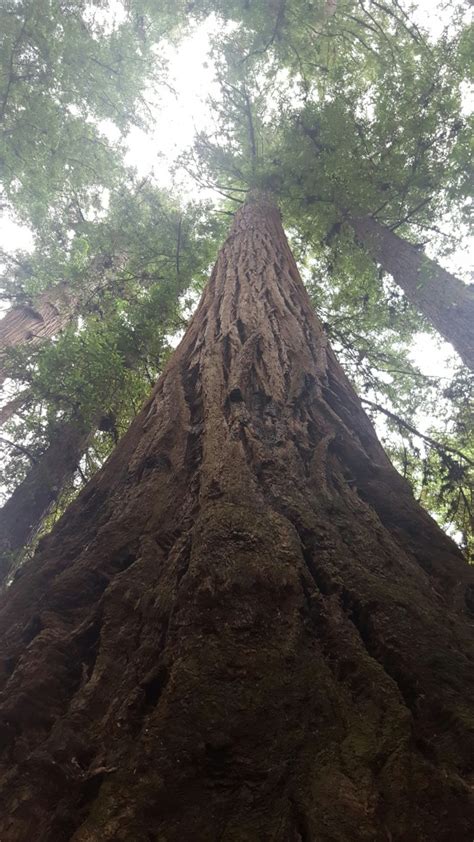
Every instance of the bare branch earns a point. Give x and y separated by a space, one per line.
436 445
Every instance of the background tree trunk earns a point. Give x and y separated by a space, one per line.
29 504
445 301
48 315
52 310
245 628
9 409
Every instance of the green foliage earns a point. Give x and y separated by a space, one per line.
68 71
341 115
339 108
440 464
131 300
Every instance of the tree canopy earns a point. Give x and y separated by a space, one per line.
343 109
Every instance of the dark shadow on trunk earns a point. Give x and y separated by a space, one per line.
281 646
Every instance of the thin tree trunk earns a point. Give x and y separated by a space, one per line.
443 299
9 409
29 504
245 628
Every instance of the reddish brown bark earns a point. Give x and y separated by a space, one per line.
23 512
51 312
245 628
444 300
53 309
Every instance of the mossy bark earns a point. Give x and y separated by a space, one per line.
444 300
245 628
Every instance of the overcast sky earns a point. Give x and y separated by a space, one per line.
179 115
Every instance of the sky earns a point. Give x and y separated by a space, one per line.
183 111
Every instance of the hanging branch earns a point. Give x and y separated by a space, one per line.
432 442
19 447
11 67
13 405
82 475
178 245
251 128
411 213
263 49
416 35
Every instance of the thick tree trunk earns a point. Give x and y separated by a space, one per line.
443 299
53 309
245 628
29 504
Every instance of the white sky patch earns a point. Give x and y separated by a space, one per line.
14 236
467 98
433 357
435 16
459 262
180 112
183 110
106 19
110 130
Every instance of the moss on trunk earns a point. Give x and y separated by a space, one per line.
245 628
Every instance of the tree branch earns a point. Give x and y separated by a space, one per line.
432 442
10 408
20 448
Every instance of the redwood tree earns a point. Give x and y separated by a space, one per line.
52 310
245 628
23 512
33 323
443 299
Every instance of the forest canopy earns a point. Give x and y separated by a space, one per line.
130 132
236 410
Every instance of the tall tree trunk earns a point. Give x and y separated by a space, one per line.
52 310
29 504
443 299
245 628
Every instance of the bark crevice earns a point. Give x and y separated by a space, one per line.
248 629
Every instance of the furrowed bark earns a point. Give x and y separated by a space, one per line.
245 628
52 310
444 300
22 514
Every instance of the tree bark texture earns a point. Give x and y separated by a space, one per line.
245 628
48 315
23 512
52 310
444 300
